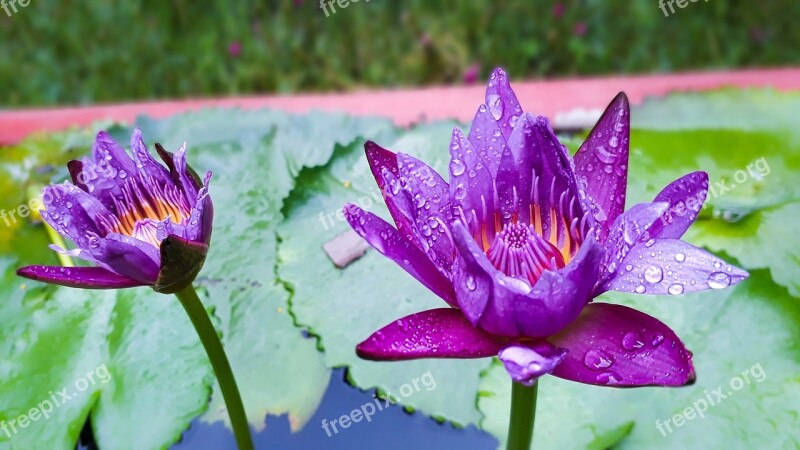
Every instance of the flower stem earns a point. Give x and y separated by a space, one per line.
523 413
219 361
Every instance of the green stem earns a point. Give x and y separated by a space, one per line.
219 361
523 413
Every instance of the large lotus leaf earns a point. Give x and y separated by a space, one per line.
160 376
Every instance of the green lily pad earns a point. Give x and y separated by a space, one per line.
160 378
745 342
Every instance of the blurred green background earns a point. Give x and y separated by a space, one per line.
58 52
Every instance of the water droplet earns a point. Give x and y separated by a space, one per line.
609 377
680 257
608 169
653 274
650 243
495 106
605 155
629 267
457 167
719 280
122 174
513 121
613 141
461 192
640 289
675 289
658 339
597 360
471 283
632 341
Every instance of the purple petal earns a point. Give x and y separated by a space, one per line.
390 243
436 333
202 216
78 277
602 162
487 139
72 212
147 165
509 306
127 256
432 208
670 266
619 346
527 361
630 228
383 164
107 150
471 184
554 185
501 102
181 176
685 196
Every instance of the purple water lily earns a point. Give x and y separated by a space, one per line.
521 240
142 224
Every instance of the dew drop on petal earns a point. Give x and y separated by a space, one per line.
719 280
609 377
653 274
495 106
675 289
457 167
680 257
632 341
640 289
470 283
658 339
605 155
597 359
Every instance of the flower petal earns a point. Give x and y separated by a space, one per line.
685 196
525 362
432 208
602 162
127 256
436 333
390 243
487 139
73 213
510 307
201 218
630 228
502 102
106 149
471 183
78 277
619 346
145 162
670 266
383 164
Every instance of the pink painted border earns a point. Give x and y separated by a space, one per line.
407 106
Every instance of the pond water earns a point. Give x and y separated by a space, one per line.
390 429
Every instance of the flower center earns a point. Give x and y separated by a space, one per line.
520 252
142 205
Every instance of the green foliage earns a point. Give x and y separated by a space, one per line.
56 52
278 183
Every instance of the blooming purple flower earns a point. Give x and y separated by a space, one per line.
142 224
521 240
